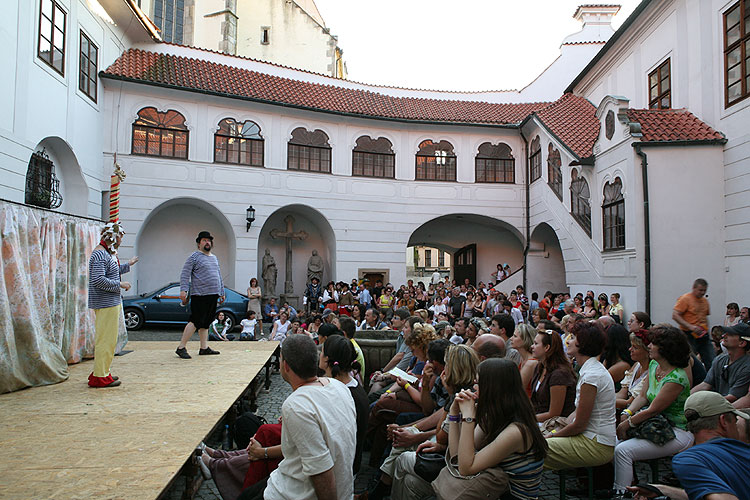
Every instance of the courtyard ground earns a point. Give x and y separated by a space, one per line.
269 407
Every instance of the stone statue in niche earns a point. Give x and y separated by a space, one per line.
315 267
269 274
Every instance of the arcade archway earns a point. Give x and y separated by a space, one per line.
545 266
167 237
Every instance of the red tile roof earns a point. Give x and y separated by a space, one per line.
573 120
659 125
199 75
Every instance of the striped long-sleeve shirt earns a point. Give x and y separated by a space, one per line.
201 275
104 280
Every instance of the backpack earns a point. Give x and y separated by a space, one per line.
245 427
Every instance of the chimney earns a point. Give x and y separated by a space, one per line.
597 24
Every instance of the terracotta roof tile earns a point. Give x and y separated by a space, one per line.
573 120
205 76
658 125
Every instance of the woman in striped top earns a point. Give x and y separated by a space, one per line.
497 429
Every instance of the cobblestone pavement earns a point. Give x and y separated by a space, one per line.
269 407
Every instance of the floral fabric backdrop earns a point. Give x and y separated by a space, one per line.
45 323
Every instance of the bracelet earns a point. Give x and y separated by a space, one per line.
627 410
630 422
388 391
454 418
407 385
265 451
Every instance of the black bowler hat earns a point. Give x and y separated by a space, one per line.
204 234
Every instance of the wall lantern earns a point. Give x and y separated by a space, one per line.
249 216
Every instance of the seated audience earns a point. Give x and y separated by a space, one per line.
218 329
280 327
616 356
349 329
522 341
616 309
730 373
489 346
645 425
271 310
494 430
503 326
249 326
475 328
319 432
632 383
553 385
589 438
336 359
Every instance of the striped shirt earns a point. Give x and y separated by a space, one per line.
201 275
524 474
104 280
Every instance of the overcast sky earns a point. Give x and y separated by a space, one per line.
449 45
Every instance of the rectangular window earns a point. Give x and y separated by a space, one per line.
169 18
495 170
436 168
441 258
737 53
427 257
535 164
238 150
51 47
659 87
154 141
87 67
308 158
265 35
614 225
373 164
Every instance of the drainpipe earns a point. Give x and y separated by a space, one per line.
528 221
646 225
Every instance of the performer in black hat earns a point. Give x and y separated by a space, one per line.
201 277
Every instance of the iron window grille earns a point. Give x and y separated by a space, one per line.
435 161
495 163
51 43
42 185
238 143
162 134
309 151
373 158
580 205
613 216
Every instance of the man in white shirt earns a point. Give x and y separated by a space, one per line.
514 312
436 278
318 433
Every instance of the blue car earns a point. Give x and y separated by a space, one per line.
163 305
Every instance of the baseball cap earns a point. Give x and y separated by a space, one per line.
710 403
741 329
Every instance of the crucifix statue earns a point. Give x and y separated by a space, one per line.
290 235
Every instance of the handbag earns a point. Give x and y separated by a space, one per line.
429 465
656 429
552 425
450 484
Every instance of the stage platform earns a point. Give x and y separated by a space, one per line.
70 441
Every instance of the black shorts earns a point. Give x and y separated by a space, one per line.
202 310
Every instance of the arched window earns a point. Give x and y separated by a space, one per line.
613 215
157 133
554 174
436 161
42 185
374 158
495 163
580 200
535 160
309 151
239 143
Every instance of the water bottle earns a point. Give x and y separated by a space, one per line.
227 439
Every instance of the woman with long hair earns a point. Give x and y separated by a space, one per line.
522 341
589 439
254 295
589 308
495 427
616 356
603 305
632 383
553 385
638 321
664 393
336 359
616 310
467 308
280 327
358 314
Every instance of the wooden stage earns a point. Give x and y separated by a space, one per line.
70 441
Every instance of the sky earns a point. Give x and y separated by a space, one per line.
453 45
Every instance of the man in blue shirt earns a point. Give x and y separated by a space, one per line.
271 310
364 295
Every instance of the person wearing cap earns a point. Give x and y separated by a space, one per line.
718 466
104 298
201 277
729 374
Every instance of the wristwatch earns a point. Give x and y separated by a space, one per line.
265 452
469 420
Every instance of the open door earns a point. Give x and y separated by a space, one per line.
465 264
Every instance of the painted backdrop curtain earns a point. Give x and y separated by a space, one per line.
45 323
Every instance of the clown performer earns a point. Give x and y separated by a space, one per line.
104 298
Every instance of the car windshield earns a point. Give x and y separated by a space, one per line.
165 292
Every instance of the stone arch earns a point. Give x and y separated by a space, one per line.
73 187
496 240
320 237
167 237
545 263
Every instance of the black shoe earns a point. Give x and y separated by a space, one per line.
206 351
182 352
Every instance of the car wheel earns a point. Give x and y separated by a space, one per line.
230 320
133 319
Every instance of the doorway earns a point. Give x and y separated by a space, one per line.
465 264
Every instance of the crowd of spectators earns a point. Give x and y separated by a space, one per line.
497 389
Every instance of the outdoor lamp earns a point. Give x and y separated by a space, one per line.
249 217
